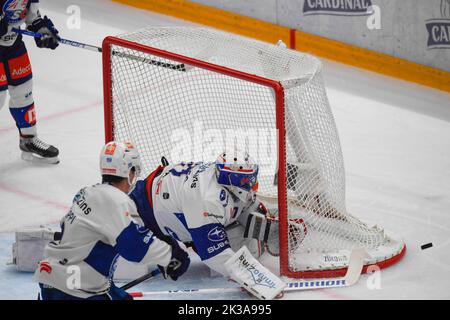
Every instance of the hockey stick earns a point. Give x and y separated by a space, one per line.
61 40
177 67
141 279
356 264
172 264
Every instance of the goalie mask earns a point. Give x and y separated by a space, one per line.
118 159
238 175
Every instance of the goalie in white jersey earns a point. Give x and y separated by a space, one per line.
99 228
194 202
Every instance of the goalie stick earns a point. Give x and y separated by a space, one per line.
356 264
173 264
139 280
177 67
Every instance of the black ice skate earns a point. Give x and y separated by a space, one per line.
34 149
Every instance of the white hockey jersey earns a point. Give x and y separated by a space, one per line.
18 12
187 203
97 229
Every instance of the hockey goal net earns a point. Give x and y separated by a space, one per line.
187 93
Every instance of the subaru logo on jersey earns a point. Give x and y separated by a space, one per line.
109 160
217 234
338 7
15 10
439 29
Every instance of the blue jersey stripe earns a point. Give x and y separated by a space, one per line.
102 258
134 242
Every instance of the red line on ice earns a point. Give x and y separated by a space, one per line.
58 115
29 196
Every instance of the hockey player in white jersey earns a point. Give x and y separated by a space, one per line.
194 202
99 228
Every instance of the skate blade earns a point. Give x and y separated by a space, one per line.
31 157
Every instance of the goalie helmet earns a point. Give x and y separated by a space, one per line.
118 159
238 175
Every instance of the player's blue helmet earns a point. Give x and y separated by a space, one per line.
239 175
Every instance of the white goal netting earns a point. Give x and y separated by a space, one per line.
186 110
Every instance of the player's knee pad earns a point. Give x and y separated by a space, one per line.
21 95
21 106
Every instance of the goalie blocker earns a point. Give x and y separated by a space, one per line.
262 224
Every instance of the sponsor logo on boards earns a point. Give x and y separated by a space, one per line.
439 28
338 7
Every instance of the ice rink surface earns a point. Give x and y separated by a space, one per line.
395 138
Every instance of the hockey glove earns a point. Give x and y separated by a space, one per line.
179 262
46 27
3 25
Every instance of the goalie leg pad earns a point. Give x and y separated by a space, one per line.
28 249
253 276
